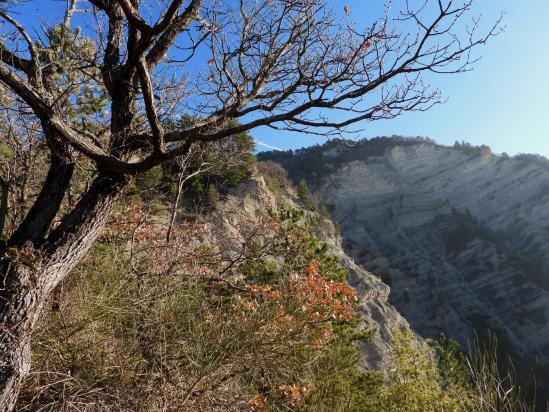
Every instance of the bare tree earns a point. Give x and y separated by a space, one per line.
278 63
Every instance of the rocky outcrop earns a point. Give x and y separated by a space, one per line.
459 234
242 209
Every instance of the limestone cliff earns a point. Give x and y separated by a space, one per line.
244 206
458 233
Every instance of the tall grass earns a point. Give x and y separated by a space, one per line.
494 383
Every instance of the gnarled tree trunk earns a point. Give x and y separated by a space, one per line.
19 307
31 272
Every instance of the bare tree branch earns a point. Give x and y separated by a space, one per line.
152 115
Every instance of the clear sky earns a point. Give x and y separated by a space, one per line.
503 102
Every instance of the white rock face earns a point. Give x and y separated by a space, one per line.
244 207
376 311
457 234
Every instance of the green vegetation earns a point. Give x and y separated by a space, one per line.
275 175
5 152
415 381
452 363
323 211
167 314
134 333
223 165
304 195
149 184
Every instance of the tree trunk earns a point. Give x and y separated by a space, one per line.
38 220
19 307
31 273
4 189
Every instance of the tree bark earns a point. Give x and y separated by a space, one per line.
19 306
4 193
38 220
30 274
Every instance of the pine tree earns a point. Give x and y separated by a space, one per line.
304 195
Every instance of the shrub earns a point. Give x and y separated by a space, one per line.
323 211
414 382
148 184
212 195
222 164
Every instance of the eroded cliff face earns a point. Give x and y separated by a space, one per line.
460 235
238 215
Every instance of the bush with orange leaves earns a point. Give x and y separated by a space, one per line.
324 298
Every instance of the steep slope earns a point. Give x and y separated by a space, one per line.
244 205
459 233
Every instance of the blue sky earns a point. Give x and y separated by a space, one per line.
503 102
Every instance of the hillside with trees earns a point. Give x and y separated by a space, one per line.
239 314
100 101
